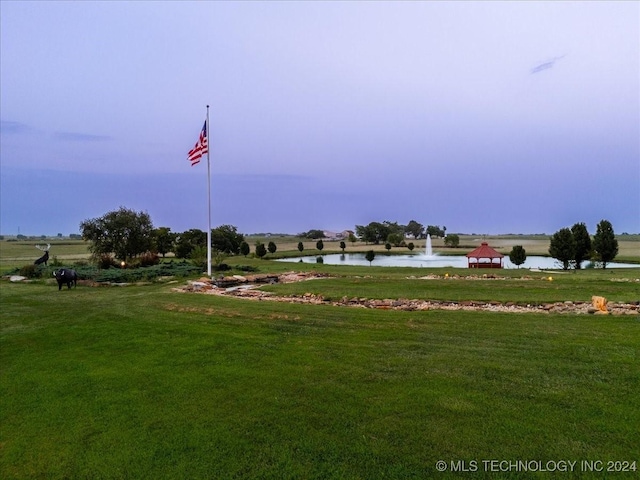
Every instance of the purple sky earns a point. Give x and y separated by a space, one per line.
484 117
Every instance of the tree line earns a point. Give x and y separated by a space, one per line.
126 235
572 246
395 233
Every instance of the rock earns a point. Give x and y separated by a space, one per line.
599 303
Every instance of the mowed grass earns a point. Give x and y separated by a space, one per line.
144 382
456 285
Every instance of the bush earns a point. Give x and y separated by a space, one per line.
452 240
147 259
199 256
29 271
246 268
105 261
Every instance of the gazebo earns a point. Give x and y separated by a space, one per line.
484 257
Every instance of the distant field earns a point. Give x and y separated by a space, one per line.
16 254
628 245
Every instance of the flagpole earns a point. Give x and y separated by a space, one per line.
209 197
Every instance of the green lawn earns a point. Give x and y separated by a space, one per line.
142 382
519 286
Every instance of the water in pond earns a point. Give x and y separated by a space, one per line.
434 261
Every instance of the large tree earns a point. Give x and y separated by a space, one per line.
124 233
604 243
563 247
583 243
375 232
435 231
164 240
415 229
226 239
313 234
187 241
452 240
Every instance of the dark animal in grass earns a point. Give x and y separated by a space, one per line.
66 275
44 258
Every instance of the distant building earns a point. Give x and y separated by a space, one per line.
337 235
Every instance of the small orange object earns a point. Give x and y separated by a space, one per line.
600 304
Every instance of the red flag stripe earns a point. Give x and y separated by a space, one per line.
200 148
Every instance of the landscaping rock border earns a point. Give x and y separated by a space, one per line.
246 287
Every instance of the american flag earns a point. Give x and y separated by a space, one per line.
200 148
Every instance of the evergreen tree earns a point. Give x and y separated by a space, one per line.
320 245
244 248
300 247
261 250
583 243
604 243
370 255
563 247
272 247
518 255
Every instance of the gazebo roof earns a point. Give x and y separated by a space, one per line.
484 251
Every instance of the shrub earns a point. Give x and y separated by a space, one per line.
147 259
370 255
452 240
198 256
246 268
105 261
28 271
518 255
261 250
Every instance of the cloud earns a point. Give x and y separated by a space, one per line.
546 65
7 126
80 137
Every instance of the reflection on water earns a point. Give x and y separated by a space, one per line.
435 261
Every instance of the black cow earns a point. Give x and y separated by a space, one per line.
66 275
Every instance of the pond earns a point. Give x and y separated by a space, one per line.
435 261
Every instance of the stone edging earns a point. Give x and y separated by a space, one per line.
245 287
